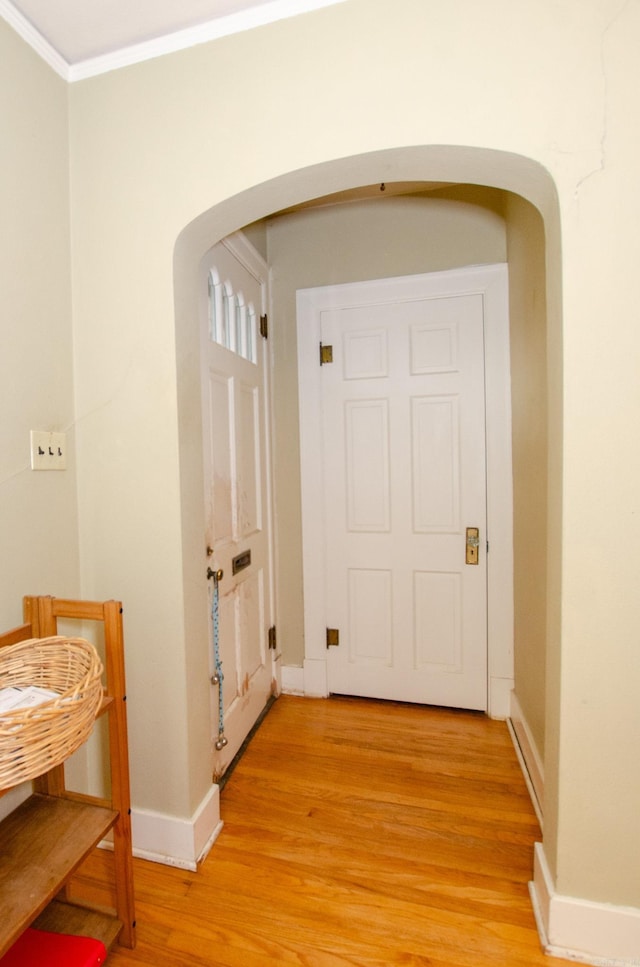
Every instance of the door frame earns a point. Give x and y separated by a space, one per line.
491 282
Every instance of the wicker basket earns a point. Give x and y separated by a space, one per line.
34 740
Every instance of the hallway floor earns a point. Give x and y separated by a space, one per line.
356 833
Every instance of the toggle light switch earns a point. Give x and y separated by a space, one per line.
48 450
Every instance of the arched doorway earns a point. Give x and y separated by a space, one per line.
518 178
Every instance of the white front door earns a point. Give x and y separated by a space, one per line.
402 437
236 485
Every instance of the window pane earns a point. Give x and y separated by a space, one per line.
231 323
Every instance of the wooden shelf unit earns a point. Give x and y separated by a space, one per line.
45 840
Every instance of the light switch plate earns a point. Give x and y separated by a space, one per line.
48 450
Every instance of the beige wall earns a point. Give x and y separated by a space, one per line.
38 517
538 98
528 321
350 243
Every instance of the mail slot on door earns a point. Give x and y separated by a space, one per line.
241 561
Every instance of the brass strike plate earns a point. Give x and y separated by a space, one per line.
472 545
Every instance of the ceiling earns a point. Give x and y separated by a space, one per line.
111 33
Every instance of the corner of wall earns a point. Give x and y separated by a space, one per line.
589 933
177 842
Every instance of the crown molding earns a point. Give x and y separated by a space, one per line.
34 39
179 40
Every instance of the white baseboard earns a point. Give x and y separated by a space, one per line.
292 680
174 841
315 678
589 933
500 697
529 755
311 680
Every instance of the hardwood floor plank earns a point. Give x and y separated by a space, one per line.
357 834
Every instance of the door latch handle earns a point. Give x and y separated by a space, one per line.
472 545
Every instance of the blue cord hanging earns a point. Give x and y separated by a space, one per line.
218 677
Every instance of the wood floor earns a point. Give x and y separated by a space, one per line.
356 833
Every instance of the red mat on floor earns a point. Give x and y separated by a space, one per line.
38 948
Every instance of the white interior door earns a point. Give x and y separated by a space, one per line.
236 484
403 476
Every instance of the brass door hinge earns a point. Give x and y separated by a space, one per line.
326 354
264 326
333 637
272 638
